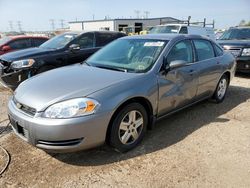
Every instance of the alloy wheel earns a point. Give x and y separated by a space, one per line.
131 127
222 87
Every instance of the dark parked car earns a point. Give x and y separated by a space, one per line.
237 41
62 50
13 43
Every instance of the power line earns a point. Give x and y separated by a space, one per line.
146 14
11 25
62 23
137 12
19 25
52 23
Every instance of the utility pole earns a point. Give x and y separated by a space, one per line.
11 25
62 23
146 14
137 12
19 25
52 22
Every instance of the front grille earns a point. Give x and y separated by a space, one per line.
235 51
26 109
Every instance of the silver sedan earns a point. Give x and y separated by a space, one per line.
119 92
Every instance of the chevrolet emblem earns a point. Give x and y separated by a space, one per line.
18 105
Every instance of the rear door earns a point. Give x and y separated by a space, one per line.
178 87
38 41
19 44
209 67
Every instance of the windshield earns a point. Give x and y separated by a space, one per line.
238 34
165 29
4 40
59 41
128 55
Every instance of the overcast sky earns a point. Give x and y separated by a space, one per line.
35 14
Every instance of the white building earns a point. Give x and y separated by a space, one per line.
120 24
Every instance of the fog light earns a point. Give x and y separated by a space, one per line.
247 66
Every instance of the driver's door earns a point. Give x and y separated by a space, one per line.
178 86
87 47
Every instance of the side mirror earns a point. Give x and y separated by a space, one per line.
6 48
74 47
176 64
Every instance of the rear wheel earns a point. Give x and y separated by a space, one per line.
128 127
221 89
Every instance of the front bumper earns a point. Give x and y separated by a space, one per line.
243 64
59 135
13 79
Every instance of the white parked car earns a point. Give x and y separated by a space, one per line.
184 29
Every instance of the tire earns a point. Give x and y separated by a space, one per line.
44 69
128 127
221 89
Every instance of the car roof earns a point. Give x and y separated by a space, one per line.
166 37
26 36
86 31
240 27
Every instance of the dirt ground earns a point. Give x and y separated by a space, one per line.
207 145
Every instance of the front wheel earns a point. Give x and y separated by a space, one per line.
221 89
128 127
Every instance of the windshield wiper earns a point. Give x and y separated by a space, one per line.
85 62
112 68
244 38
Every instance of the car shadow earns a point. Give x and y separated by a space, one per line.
167 132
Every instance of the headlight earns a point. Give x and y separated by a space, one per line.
71 108
245 52
22 63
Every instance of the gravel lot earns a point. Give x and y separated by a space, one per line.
207 145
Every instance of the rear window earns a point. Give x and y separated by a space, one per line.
20 44
183 30
38 41
165 29
103 38
204 49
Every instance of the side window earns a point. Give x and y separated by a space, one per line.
38 42
183 30
20 44
104 38
86 40
204 49
218 50
181 51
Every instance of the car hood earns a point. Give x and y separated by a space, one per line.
24 54
56 85
238 43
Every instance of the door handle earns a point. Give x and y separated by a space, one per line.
191 72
